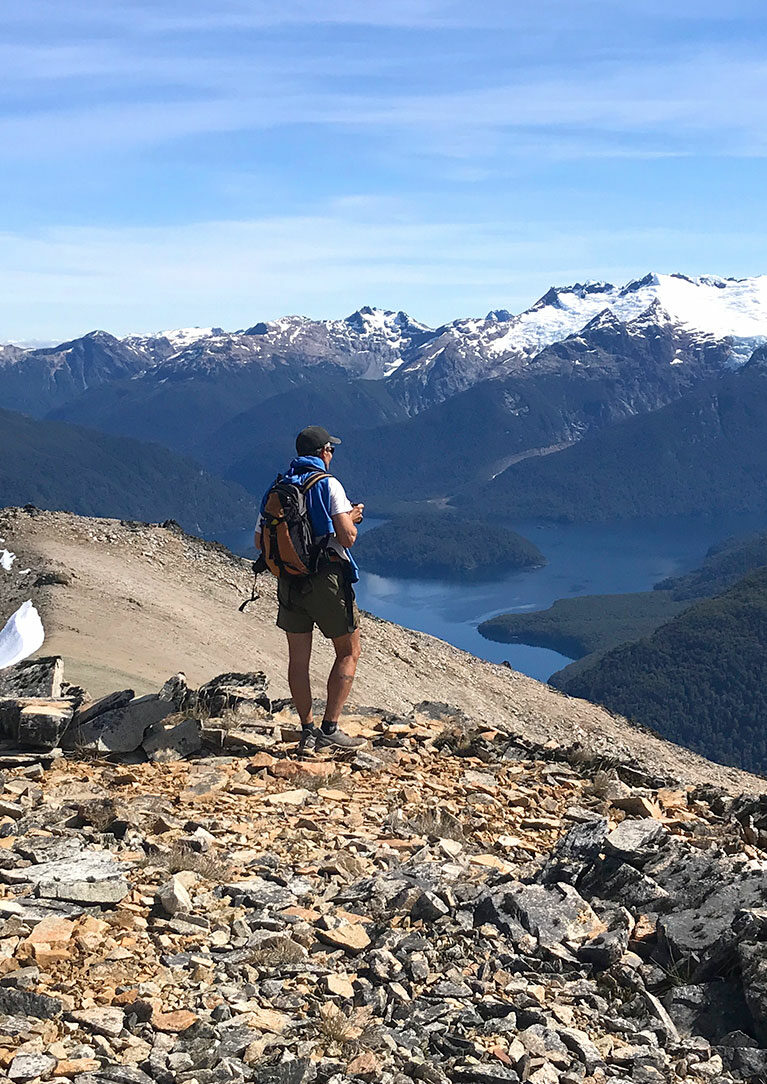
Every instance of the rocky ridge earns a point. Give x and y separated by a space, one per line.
127 603
454 903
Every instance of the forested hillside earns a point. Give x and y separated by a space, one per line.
60 466
585 624
724 565
700 680
704 453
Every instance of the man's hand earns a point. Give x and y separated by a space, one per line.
357 513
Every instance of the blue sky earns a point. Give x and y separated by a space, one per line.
178 162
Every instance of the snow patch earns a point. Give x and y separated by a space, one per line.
22 635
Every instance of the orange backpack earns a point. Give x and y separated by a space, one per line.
287 539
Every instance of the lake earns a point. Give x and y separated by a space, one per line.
582 560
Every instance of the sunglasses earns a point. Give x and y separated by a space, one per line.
330 448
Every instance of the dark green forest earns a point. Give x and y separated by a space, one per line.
441 544
580 626
699 680
60 466
724 564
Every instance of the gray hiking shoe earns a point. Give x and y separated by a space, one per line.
307 743
337 739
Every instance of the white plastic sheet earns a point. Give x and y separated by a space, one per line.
22 635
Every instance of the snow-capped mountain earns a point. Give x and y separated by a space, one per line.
421 365
723 308
371 343
470 349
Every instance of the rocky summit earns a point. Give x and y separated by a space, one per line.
182 899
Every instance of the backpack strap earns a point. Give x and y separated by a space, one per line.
313 479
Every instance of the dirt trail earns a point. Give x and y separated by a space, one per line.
139 603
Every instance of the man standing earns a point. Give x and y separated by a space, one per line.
324 598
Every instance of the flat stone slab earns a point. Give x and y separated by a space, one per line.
31 1066
108 1021
90 711
261 893
25 1003
636 841
92 877
33 910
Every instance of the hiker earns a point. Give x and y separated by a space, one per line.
315 575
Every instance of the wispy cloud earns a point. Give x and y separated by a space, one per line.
712 97
62 282
246 116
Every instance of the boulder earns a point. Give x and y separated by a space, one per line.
636 841
553 913
605 949
173 896
575 852
35 723
711 1009
15 1002
260 893
122 729
296 1071
707 932
229 691
166 744
746 1060
176 691
628 886
753 969
31 1066
40 677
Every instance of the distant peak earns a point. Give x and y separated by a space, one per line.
650 279
757 363
655 311
554 294
499 316
369 320
604 318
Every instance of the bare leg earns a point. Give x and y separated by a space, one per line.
342 675
299 654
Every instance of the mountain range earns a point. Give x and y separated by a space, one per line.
477 397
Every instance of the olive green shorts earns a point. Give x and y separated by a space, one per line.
325 599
